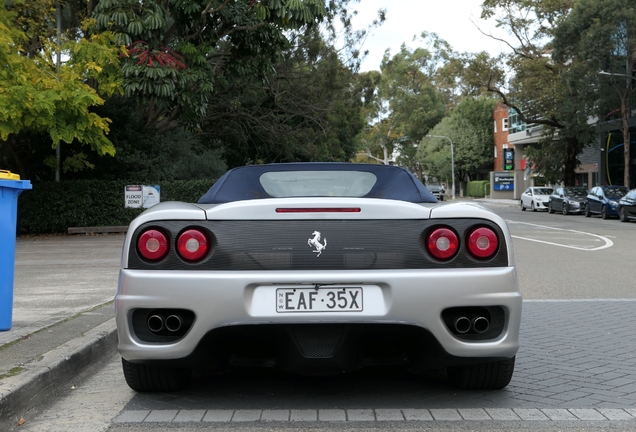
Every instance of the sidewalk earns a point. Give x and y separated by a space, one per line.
63 317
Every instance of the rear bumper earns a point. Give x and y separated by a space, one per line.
413 298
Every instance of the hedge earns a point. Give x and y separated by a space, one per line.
478 188
53 207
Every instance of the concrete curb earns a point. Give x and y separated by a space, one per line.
40 379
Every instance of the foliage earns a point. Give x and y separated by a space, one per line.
38 97
470 128
535 84
597 39
90 203
405 104
308 110
211 41
477 188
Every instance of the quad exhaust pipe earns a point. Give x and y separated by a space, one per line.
157 323
478 324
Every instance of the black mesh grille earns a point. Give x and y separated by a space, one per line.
318 341
350 245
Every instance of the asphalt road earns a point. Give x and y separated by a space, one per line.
576 357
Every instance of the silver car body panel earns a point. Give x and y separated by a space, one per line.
227 298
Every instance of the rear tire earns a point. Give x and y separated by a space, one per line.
486 376
604 214
150 378
523 208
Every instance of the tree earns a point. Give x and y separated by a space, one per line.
179 52
308 110
36 96
599 40
407 104
536 85
470 128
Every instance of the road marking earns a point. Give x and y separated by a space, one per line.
604 415
608 242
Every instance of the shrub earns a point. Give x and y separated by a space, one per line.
477 188
53 207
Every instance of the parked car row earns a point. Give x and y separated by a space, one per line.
606 201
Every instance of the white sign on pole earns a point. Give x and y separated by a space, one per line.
151 196
133 196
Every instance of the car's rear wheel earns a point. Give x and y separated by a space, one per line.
622 215
587 211
485 376
150 378
604 214
523 207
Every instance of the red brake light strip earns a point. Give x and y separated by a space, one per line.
319 210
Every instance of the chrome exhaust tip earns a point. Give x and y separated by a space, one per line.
173 323
155 323
480 324
462 325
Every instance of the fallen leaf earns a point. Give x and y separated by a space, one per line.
21 422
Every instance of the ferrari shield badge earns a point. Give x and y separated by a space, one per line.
314 242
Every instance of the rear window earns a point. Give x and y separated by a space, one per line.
285 184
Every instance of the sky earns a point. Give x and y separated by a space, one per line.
450 19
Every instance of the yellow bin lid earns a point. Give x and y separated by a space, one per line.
8 175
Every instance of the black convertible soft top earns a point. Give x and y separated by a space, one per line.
245 183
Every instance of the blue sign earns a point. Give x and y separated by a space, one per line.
504 181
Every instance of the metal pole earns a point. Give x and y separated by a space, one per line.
58 155
452 159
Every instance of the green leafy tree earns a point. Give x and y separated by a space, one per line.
598 39
406 105
539 87
308 110
179 52
470 128
37 96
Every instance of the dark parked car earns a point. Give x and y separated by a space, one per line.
568 200
604 200
436 190
627 207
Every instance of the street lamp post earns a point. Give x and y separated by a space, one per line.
452 159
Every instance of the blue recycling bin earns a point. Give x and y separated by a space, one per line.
10 187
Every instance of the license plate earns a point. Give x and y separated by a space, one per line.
318 300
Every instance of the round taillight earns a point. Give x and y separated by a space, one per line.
152 245
192 245
442 243
483 243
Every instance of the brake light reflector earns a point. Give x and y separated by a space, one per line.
152 245
192 245
442 243
319 210
483 243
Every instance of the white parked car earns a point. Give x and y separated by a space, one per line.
536 198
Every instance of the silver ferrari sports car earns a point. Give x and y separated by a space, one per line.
317 268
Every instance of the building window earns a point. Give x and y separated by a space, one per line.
504 124
495 126
495 151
